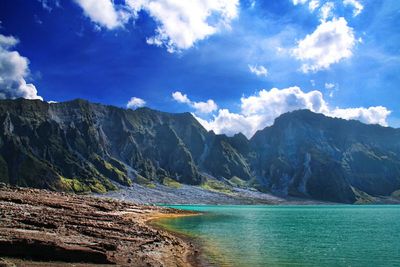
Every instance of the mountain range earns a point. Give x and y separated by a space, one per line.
81 146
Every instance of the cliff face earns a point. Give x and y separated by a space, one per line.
81 146
311 155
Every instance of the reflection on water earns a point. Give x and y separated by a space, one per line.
339 235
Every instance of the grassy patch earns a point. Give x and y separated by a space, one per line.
110 171
97 187
236 181
73 185
171 183
144 181
217 186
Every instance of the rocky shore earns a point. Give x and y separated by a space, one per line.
43 228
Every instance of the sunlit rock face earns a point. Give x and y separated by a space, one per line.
80 146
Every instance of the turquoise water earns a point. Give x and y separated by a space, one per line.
338 235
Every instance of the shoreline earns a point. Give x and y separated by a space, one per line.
195 252
44 228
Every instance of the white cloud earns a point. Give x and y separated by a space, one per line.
258 70
330 43
229 123
179 23
101 12
277 101
329 86
296 2
181 98
358 7
14 69
313 5
182 23
261 109
135 102
326 11
200 107
205 107
372 115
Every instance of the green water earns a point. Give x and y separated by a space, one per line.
339 235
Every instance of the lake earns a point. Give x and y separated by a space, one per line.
323 235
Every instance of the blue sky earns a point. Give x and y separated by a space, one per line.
219 59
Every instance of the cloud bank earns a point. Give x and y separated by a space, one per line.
14 70
260 110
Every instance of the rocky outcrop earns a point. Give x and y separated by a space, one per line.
41 226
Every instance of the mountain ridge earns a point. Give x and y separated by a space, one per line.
82 146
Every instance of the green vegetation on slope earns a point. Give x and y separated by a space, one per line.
216 186
171 183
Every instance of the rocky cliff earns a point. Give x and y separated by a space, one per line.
311 155
81 146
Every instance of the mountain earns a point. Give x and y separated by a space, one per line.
311 155
81 146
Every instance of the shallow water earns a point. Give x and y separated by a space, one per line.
334 235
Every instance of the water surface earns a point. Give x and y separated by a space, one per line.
334 235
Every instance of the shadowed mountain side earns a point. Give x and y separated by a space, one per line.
312 155
80 146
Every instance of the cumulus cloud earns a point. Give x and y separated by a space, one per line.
179 23
358 7
135 102
229 123
14 69
182 23
181 98
330 43
200 107
101 12
258 70
371 115
260 110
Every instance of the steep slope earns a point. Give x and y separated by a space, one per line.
81 146
308 154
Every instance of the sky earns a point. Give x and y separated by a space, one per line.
235 65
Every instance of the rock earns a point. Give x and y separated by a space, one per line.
36 226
